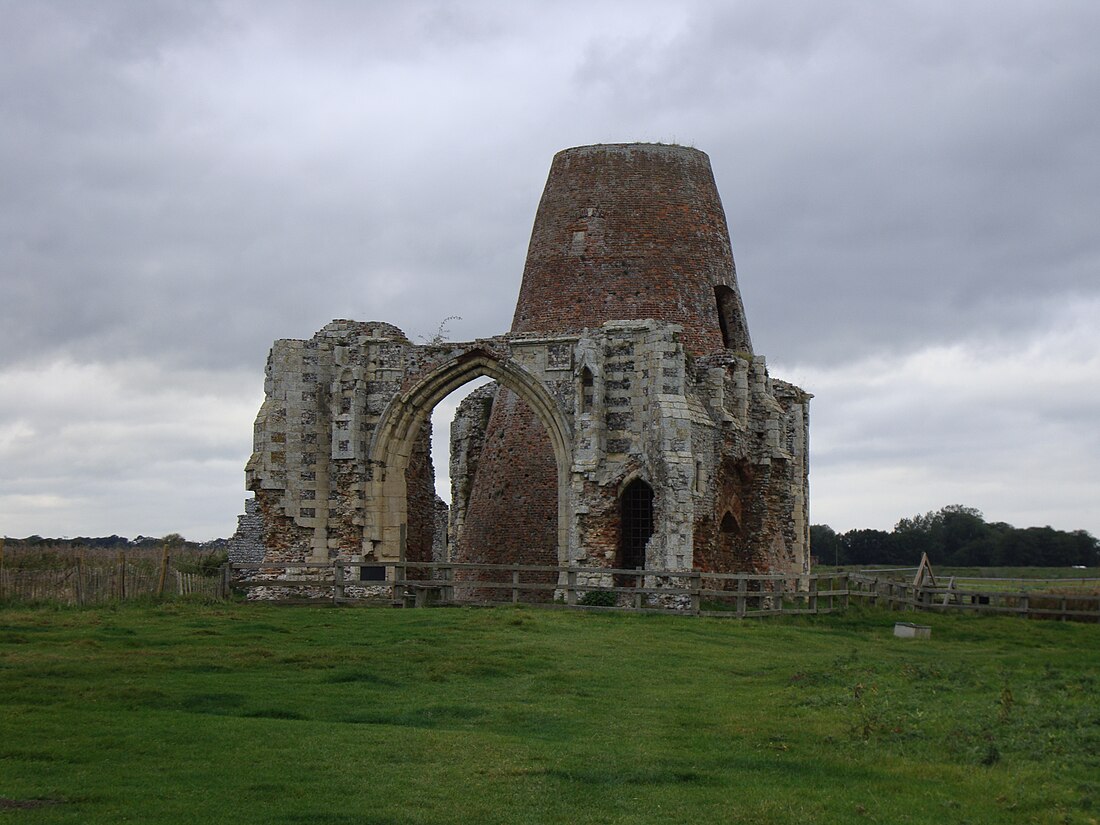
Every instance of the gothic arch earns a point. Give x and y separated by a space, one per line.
391 445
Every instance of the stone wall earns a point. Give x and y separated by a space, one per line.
246 545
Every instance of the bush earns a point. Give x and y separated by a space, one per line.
598 598
207 564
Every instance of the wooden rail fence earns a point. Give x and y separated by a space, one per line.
103 577
79 578
419 584
1065 599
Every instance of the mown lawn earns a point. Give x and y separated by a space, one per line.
253 713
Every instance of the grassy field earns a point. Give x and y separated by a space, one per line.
1053 573
252 713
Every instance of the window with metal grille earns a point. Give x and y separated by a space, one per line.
636 525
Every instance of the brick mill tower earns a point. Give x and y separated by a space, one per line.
630 424
623 232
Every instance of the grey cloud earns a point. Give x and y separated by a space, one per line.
185 182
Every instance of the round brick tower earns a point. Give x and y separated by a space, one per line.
632 231
623 232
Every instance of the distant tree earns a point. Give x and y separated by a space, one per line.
868 547
1086 548
964 530
917 535
959 536
825 544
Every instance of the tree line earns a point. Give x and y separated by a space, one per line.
955 536
113 542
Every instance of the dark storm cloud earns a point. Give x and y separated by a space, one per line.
184 182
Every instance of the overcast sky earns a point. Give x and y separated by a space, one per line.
913 191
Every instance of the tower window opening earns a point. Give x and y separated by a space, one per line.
731 319
729 524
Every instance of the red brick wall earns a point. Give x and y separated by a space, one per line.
513 509
420 486
629 231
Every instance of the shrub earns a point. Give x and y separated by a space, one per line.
598 598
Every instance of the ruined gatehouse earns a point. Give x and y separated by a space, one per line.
629 423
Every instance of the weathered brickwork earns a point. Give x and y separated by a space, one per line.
512 512
467 439
632 231
629 359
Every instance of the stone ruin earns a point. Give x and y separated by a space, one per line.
629 423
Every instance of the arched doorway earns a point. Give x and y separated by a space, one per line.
391 446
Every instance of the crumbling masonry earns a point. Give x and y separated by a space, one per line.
629 423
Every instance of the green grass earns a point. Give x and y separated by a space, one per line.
977 572
252 713
1019 572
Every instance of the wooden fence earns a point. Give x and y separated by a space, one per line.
419 584
78 578
1062 599
94 578
735 595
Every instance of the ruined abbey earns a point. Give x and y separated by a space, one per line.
629 423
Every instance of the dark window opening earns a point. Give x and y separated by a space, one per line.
587 389
372 573
729 524
731 319
636 526
723 324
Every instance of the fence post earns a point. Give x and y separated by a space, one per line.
571 587
121 575
448 592
813 595
515 587
742 588
81 597
337 582
398 578
163 572
695 581
639 581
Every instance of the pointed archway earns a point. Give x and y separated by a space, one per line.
392 445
